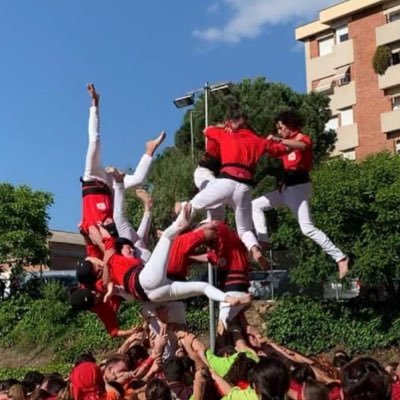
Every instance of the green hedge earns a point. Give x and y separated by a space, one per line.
312 326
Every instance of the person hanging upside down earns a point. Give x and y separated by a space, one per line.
296 190
97 181
240 150
148 281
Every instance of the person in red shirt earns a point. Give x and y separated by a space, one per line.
97 204
240 151
296 190
148 281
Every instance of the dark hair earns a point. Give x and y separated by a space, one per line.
340 359
235 113
118 387
28 386
120 242
86 273
115 358
270 378
290 118
174 369
136 354
225 351
188 364
82 299
35 377
111 228
39 394
7 383
302 373
314 390
365 379
239 369
55 384
84 357
158 389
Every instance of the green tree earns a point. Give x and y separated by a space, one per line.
23 225
356 205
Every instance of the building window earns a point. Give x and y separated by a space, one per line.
393 16
396 103
349 154
397 146
342 33
333 124
395 59
343 75
346 116
325 45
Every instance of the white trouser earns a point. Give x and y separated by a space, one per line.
202 176
94 169
238 196
228 312
124 227
297 199
155 283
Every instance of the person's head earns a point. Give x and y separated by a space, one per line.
365 379
174 369
16 392
313 390
340 359
114 366
288 122
39 394
239 369
34 377
86 382
84 299
86 272
136 354
302 373
236 117
225 351
124 247
158 389
55 385
84 357
270 379
28 386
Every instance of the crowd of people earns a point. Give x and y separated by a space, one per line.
160 359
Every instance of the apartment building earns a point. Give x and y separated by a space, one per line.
339 49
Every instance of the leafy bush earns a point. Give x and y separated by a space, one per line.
311 326
381 59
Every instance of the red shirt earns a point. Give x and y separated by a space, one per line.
395 391
181 249
299 160
242 147
212 148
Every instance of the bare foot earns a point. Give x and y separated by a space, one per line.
152 145
116 173
259 258
177 207
343 267
93 94
240 300
145 197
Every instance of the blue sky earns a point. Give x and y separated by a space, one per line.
140 55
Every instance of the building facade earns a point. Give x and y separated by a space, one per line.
339 50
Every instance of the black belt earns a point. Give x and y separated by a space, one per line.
210 163
138 291
95 187
292 178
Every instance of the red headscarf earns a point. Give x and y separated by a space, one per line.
87 382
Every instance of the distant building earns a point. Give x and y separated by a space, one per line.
339 48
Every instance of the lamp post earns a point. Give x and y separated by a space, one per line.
188 99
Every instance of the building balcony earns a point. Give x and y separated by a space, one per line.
347 137
390 121
321 67
390 78
388 33
343 97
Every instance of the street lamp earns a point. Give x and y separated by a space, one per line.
220 89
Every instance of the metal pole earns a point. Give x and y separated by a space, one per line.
191 135
210 268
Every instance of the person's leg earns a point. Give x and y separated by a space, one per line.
145 223
227 312
93 167
297 199
202 176
183 290
141 171
259 206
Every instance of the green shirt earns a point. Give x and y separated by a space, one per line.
221 365
239 394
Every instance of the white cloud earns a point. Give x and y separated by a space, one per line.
250 17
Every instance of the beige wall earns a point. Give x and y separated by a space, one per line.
390 121
391 77
343 97
388 33
347 137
